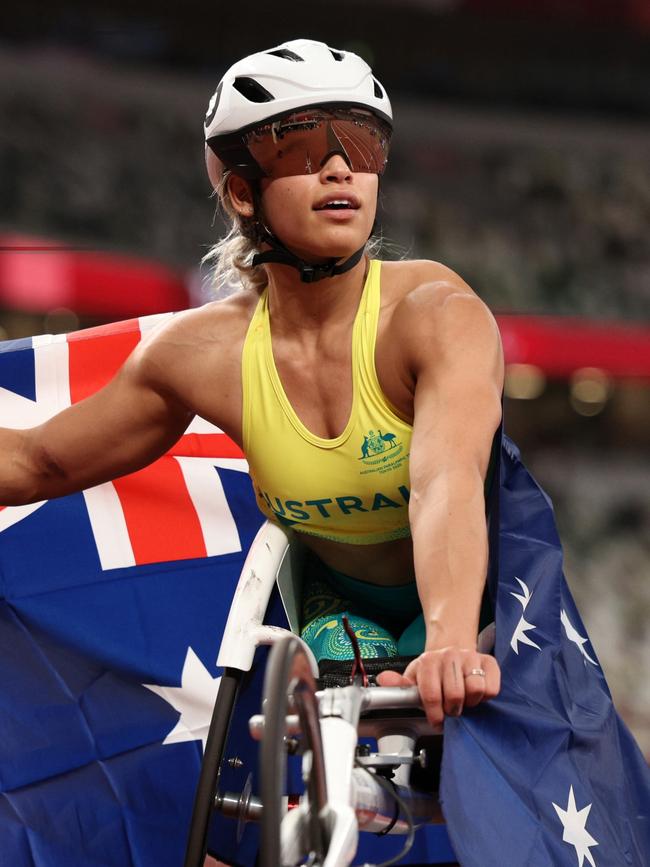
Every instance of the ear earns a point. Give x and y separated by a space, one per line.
240 192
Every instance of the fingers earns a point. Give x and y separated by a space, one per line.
480 687
429 680
392 678
449 680
493 676
474 686
453 685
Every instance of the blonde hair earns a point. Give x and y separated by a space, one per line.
231 257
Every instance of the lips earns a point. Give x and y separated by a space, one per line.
338 202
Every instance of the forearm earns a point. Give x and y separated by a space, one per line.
451 551
18 482
79 449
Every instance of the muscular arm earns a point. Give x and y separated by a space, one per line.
459 374
121 428
455 361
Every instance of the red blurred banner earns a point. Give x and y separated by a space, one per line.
39 276
561 345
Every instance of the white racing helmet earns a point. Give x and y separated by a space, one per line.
301 73
263 87
297 74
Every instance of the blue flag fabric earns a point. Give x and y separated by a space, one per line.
108 647
547 774
111 614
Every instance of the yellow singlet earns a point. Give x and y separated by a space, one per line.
353 488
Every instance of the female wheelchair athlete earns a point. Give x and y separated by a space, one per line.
337 755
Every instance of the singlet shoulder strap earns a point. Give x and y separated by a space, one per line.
253 343
364 352
363 348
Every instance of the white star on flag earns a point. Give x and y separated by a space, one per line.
575 832
194 699
519 635
573 635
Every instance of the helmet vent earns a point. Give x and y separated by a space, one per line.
337 55
287 54
252 90
379 93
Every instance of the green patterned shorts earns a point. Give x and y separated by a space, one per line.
387 621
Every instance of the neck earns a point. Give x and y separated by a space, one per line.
297 306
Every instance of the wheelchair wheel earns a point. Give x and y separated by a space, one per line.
209 776
289 685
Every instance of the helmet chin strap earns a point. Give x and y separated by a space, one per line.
309 272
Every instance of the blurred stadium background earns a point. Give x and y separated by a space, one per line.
521 159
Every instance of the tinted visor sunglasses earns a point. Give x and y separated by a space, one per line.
301 143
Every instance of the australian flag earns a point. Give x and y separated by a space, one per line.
546 774
112 605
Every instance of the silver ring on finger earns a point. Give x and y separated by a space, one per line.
478 672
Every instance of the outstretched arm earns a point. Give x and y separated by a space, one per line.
129 423
457 365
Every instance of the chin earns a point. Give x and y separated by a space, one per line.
332 252
333 246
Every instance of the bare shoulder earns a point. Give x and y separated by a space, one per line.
436 325
433 302
421 277
194 360
211 335
215 322
400 278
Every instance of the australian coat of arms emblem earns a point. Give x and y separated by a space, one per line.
376 442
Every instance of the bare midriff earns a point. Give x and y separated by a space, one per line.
385 563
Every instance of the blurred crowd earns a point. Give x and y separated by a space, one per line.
538 214
531 220
603 514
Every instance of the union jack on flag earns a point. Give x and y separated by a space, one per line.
112 605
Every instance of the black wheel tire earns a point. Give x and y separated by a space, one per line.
208 778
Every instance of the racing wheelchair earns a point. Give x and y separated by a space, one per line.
334 768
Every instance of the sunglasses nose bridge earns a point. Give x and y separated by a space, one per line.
334 147
336 164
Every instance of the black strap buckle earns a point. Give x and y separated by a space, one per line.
312 273
309 272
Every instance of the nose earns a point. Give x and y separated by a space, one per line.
335 168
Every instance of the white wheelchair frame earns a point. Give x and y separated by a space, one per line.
346 792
